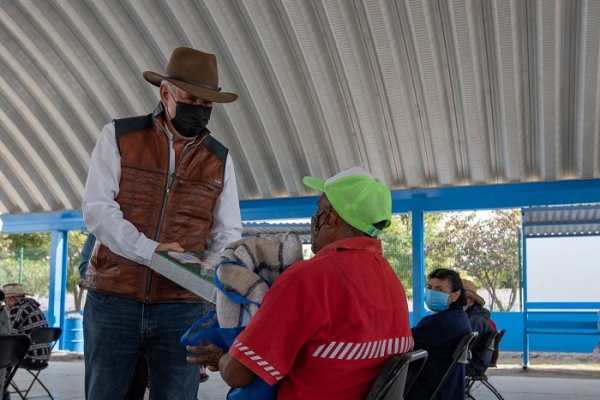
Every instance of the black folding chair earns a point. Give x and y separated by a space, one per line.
397 376
472 377
13 349
460 355
50 336
496 352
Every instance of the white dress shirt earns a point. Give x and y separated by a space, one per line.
104 219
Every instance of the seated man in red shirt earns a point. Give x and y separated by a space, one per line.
328 324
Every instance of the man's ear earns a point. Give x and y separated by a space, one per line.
334 220
163 91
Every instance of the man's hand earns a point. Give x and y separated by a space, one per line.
206 355
169 247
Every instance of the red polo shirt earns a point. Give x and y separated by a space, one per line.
328 324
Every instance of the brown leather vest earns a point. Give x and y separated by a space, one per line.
180 213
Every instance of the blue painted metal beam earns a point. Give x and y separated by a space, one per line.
58 281
403 201
418 265
524 305
487 197
43 222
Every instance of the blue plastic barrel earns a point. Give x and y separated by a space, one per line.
73 332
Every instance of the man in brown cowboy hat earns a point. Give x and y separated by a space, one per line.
156 182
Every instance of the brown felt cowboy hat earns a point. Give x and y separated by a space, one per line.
471 292
195 72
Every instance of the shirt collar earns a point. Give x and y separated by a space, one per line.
354 243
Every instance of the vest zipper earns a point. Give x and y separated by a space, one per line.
164 204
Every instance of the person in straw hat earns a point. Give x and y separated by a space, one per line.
25 317
479 317
327 325
159 182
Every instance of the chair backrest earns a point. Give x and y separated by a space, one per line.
397 375
491 339
414 368
460 355
48 335
500 336
13 349
496 352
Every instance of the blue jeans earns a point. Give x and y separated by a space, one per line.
117 329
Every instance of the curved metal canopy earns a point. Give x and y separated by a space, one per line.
424 93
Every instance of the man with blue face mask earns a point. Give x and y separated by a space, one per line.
158 182
439 334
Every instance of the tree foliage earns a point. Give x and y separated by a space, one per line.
484 249
487 249
397 245
76 241
25 258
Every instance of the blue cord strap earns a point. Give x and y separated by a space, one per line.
193 340
236 298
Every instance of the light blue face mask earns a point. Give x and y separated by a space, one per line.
436 301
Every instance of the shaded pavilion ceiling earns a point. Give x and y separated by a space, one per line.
425 94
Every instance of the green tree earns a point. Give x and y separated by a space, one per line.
397 249
397 245
26 259
5 243
76 241
487 249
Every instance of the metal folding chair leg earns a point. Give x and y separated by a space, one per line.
484 381
24 393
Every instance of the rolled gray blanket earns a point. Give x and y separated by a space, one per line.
264 257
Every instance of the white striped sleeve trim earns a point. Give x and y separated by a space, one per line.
258 360
366 352
343 353
360 351
375 349
354 350
328 349
337 349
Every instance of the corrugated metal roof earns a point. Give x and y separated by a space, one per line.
555 221
432 93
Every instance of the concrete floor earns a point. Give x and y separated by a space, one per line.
65 381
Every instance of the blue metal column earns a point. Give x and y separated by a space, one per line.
58 281
418 264
524 305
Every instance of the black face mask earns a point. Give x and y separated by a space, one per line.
314 229
191 119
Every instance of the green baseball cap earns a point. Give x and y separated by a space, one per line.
358 197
